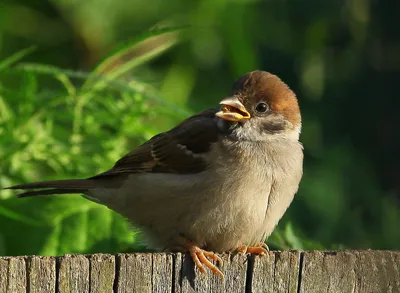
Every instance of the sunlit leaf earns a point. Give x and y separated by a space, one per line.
133 54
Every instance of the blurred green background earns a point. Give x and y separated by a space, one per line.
84 82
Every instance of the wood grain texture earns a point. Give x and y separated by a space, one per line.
73 274
278 271
41 274
351 271
3 275
102 273
16 275
135 273
162 272
190 279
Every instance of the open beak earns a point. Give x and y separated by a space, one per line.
233 110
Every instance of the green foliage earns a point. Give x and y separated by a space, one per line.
68 131
54 226
340 58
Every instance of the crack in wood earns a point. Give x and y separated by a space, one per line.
27 279
249 273
57 273
301 263
116 274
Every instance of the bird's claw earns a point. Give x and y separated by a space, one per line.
200 258
259 249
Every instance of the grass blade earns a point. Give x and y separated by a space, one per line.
133 54
15 58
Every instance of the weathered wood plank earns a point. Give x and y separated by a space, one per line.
234 268
3 275
41 274
73 274
177 278
135 273
102 273
324 272
377 271
280 272
351 271
162 272
235 271
16 275
145 272
275 272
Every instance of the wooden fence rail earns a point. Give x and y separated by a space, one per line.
286 271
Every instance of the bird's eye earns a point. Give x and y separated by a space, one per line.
262 107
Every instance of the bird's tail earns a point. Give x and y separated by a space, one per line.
69 186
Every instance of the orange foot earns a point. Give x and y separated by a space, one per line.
259 249
199 257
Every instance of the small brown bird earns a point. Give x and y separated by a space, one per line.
219 181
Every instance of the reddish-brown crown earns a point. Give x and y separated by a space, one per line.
257 86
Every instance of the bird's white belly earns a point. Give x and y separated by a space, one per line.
219 210
213 212
232 220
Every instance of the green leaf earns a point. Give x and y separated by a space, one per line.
132 54
277 241
63 224
49 70
5 111
291 237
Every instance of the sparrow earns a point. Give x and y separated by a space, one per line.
218 182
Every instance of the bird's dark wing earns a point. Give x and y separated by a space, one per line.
179 150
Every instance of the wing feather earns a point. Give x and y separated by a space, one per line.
180 150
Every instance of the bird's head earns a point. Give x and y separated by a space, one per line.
261 106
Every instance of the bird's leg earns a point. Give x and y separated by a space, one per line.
259 249
201 258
